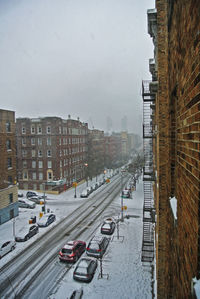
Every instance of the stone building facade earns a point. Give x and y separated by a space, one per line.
8 187
51 152
175 29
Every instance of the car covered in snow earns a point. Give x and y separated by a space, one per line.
97 246
72 251
37 199
46 220
6 247
26 233
25 203
84 193
85 269
126 193
108 227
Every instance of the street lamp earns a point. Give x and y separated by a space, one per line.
86 165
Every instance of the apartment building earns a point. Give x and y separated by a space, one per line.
51 152
172 127
8 187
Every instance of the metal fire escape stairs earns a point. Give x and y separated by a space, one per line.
148 174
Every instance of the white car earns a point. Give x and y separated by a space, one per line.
25 203
84 193
7 247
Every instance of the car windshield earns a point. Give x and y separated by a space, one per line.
106 226
93 246
81 270
66 250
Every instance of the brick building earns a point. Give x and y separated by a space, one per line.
8 188
113 150
175 127
51 152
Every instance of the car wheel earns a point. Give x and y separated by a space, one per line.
27 238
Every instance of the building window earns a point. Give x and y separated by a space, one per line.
34 186
39 153
32 129
32 141
40 176
9 162
8 144
48 130
34 175
49 175
33 164
39 130
24 153
40 164
39 141
24 163
33 153
8 127
25 175
23 141
49 141
60 130
49 153
49 164
23 130
10 180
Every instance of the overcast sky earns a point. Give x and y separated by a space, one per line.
85 58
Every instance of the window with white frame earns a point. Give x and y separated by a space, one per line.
49 153
60 141
49 141
34 175
32 141
60 163
32 129
23 141
33 164
40 175
40 164
24 153
60 153
33 153
49 164
8 127
39 141
23 130
48 130
8 144
40 153
60 130
39 129
25 175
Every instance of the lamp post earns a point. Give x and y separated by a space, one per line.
86 165
44 198
75 184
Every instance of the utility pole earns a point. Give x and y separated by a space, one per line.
44 198
122 214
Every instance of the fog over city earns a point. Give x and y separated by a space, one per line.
83 58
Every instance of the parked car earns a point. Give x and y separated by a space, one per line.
77 294
7 247
84 193
126 194
23 203
108 227
30 194
90 190
26 234
36 199
46 220
20 194
72 251
94 187
97 246
85 269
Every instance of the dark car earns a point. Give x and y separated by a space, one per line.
27 234
97 246
108 227
77 294
126 194
37 199
30 194
85 269
46 220
72 251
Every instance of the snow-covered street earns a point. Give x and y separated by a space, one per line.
124 275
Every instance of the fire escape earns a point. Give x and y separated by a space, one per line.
148 95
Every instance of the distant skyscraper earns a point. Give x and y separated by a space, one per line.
109 124
124 124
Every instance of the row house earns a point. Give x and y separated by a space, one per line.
8 187
51 152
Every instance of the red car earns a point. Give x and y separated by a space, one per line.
72 251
